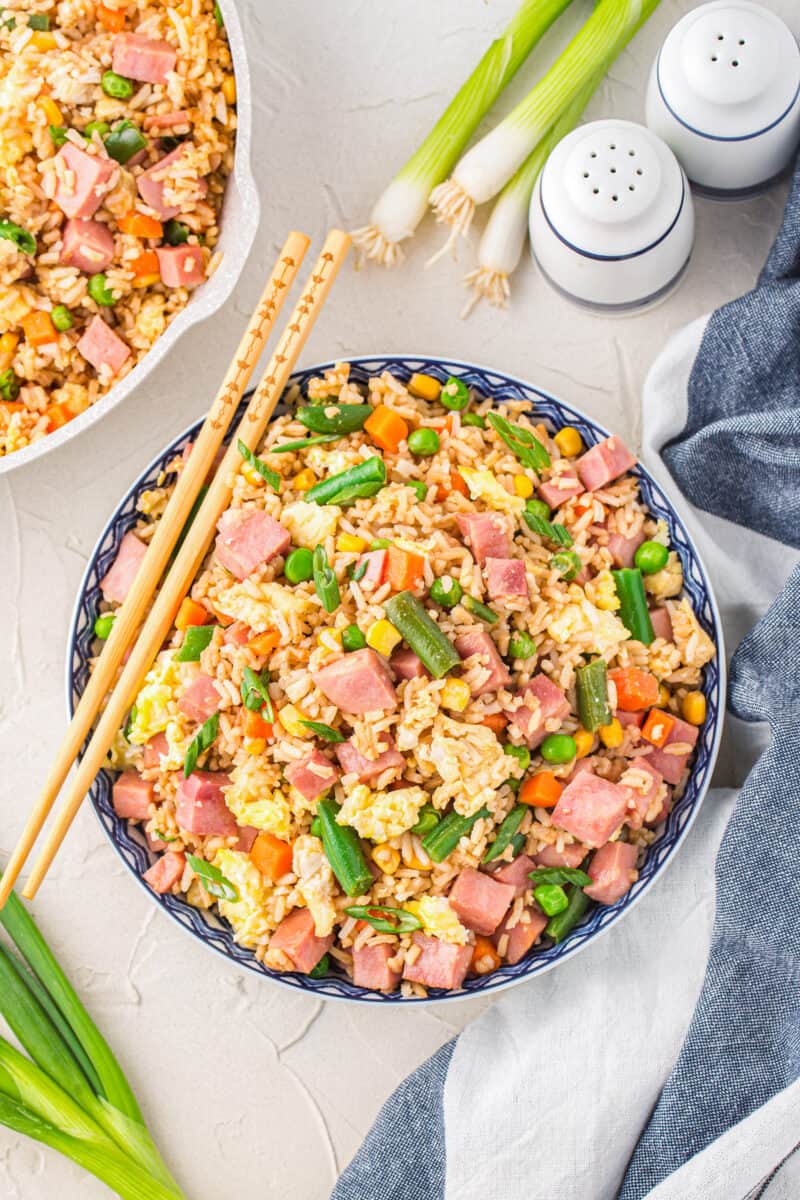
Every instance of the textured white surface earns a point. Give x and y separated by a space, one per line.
253 1090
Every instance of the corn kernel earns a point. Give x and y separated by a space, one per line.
52 112
387 858
455 695
255 746
569 441
8 346
383 637
694 708
612 735
290 718
663 696
330 640
43 41
583 742
229 89
350 543
251 475
304 480
415 857
424 386
146 281
523 486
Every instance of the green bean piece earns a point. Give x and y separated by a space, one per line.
104 624
98 289
446 591
101 127
521 753
203 740
560 876
266 473
559 926
558 748
551 899
651 557
61 318
299 565
175 233
58 134
9 385
323 966
567 563
521 442
422 634
521 645
454 394
591 682
474 419
480 610
12 232
353 639
506 833
424 442
443 840
355 483
427 819
116 86
633 611
385 919
195 641
325 583
124 141
348 418
343 851
417 486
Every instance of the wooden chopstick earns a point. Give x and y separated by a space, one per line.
191 479
195 546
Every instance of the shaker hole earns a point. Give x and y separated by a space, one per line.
595 191
734 62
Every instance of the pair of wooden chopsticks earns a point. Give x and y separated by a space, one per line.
166 600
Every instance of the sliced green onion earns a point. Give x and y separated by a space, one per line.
39 21
325 582
521 753
218 15
384 919
567 563
353 638
212 879
9 385
551 899
322 968
454 394
175 233
482 611
442 840
422 634
418 487
272 477
203 740
559 926
521 442
100 292
101 127
521 645
131 717
402 205
302 443
343 851
116 86
124 141
475 419
62 318
355 483
547 529
12 232
58 134
633 611
559 876
316 827
104 624
348 418
254 690
591 684
326 732
195 641
357 571
506 833
427 819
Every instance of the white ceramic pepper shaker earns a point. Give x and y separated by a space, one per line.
724 93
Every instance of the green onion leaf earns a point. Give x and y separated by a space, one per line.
195 641
326 732
385 919
521 442
506 833
558 876
301 443
254 691
325 582
358 572
215 883
272 477
322 968
12 232
548 529
202 741
482 611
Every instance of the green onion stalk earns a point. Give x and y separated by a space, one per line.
403 204
489 165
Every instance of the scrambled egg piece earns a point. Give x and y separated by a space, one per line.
310 524
483 485
152 712
315 882
254 799
580 616
695 646
247 915
460 754
602 591
262 605
330 462
121 755
438 919
669 581
381 815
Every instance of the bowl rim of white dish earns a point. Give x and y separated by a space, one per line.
218 937
241 192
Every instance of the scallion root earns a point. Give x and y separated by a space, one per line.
454 207
486 284
375 246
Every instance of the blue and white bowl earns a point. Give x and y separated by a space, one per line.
129 842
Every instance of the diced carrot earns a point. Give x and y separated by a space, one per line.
58 415
636 689
456 483
190 613
256 727
11 406
657 727
112 19
43 40
495 721
386 428
541 790
404 569
485 958
39 328
221 616
265 643
145 264
271 856
140 225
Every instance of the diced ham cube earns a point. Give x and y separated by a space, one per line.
571 856
371 967
479 900
102 347
406 664
87 245
543 702
247 539
155 843
200 805
557 493
622 549
375 562
153 751
516 873
200 700
82 180
662 624
481 643
296 937
626 719
484 535
247 837
181 266
673 765
604 462
237 634
591 809
118 581
357 683
132 796
523 935
613 869
180 116
151 184
440 965
166 871
148 60
642 784
506 577
312 775
353 762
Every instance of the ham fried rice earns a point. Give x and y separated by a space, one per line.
432 694
117 127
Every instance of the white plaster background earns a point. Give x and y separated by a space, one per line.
255 1091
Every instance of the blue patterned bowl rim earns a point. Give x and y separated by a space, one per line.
214 933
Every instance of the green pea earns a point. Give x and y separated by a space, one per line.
316 827
61 318
299 565
103 624
538 508
567 563
474 419
124 142
522 645
380 544
446 591
521 753
651 557
353 639
9 385
101 127
97 287
58 134
423 442
116 86
420 488
175 234
558 748
455 394
551 898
